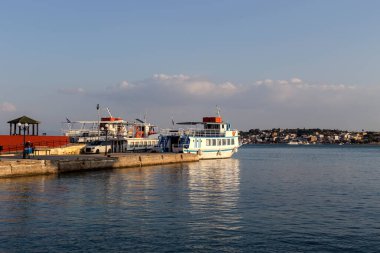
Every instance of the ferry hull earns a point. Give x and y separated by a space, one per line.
213 154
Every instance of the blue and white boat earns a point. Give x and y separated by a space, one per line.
212 140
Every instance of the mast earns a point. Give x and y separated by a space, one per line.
217 110
97 108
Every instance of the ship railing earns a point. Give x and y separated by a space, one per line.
204 133
172 132
193 132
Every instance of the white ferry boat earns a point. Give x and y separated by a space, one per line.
215 140
85 131
139 137
112 134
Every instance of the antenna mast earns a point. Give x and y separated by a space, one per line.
108 110
217 110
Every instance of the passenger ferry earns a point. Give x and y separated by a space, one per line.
112 134
215 140
139 137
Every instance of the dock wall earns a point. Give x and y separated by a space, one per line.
28 167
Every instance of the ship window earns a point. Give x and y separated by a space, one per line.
207 142
228 141
233 142
214 142
224 142
219 142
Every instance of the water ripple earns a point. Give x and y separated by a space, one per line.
267 199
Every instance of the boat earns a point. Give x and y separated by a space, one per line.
85 131
212 140
112 134
139 137
298 142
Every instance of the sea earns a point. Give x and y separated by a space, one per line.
267 198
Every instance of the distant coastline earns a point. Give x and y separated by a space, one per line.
309 136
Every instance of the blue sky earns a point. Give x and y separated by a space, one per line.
266 63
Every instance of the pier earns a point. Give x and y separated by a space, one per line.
11 167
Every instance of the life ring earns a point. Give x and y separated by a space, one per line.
233 133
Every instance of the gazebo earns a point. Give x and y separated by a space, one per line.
31 124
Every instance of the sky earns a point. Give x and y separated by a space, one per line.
265 63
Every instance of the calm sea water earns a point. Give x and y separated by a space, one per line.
265 199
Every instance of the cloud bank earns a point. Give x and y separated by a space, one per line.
266 103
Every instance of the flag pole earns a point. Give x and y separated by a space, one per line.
97 108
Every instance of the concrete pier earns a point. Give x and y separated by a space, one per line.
10 167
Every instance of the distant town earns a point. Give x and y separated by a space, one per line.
309 136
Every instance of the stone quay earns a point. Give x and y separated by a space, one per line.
13 167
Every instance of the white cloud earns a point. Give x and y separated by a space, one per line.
283 82
266 103
164 77
125 85
291 102
296 80
175 87
71 90
180 85
297 83
198 87
7 107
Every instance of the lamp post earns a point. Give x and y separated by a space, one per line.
23 126
105 128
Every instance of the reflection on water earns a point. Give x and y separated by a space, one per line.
18 195
123 208
214 184
213 195
268 199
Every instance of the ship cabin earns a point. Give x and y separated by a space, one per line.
215 126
